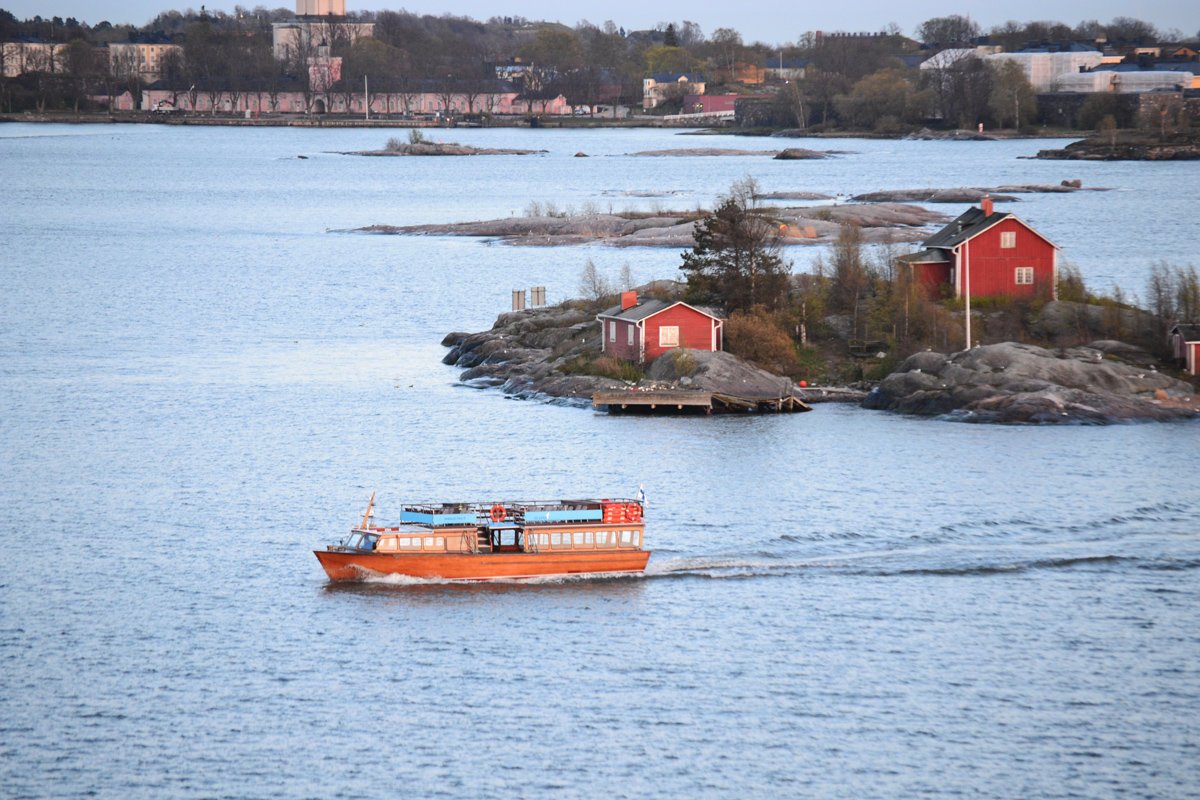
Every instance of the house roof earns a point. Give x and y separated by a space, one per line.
1190 333
927 257
675 77
648 309
970 224
1058 47
1155 66
946 58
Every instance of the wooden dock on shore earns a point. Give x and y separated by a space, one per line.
688 401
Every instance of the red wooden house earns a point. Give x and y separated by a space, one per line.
1185 347
986 253
641 332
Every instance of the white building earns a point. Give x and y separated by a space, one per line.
1124 82
1042 70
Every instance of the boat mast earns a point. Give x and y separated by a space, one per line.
367 516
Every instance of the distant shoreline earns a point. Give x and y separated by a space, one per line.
534 121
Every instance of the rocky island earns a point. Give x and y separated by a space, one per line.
785 154
1130 147
1102 382
973 194
880 223
418 145
554 354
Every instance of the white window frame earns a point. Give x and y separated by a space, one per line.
629 330
1024 276
612 331
1008 239
668 336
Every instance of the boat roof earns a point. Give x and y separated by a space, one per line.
423 516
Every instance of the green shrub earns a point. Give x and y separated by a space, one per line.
1071 287
758 335
850 372
579 365
617 369
882 368
1097 106
683 361
811 365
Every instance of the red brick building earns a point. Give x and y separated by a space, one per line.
641 332
987 253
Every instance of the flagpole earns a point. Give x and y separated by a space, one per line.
967 288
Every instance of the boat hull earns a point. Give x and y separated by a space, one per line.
351 566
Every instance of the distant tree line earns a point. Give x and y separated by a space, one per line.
849 82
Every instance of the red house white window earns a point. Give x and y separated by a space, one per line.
1024 276
668 336
1009 239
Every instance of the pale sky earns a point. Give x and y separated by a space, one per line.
770 21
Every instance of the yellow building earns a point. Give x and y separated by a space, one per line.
22 57
147 61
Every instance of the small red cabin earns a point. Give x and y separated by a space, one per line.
641 332
1185 347
986 253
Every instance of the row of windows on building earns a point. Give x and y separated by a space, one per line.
587 539
1023 276
560 540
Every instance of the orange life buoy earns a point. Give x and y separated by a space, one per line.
635 512
498 513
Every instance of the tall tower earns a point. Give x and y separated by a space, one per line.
320 8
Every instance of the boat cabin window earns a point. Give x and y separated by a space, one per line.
367 542
626 538
353 539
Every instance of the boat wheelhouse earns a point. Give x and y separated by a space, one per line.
506 540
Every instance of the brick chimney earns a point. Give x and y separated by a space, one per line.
628 300
986 205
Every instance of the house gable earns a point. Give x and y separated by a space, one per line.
988 254
645 331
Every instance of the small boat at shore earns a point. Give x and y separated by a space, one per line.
503 540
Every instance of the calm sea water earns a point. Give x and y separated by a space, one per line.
199 384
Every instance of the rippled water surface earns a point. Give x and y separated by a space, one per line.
199 384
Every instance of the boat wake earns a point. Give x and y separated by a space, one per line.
873 565
903 564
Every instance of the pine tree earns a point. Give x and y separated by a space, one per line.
735 263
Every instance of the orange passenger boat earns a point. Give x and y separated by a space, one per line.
494 541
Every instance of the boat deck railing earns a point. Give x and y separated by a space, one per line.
511 513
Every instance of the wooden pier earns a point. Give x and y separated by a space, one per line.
685 401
